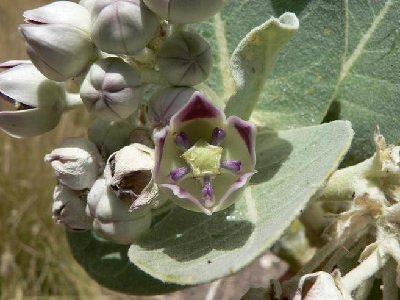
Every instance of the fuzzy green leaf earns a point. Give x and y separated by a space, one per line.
254 59
369 85
108 264
299 90
191 248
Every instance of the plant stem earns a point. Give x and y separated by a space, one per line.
341 185
366 269
364 290
390 290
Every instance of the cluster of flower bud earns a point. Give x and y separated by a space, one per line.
115 201
65 40
112 182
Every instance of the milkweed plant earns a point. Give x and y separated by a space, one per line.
219 131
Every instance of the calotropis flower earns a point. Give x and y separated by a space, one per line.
204 161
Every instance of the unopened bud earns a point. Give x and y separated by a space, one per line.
184 11
69 208
122 26
111 89
166 102
58 39
185 59
129 174
109 137
112 218
38 102
76 163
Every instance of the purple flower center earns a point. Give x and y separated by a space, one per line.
231 165
182 141
178 173
218 136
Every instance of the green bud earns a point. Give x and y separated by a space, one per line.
185 59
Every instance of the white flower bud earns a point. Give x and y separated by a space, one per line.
69 208
166 102
88 4
112 218
58 39
184 11
122 26
76 163
38 101
185 59
129 174
111 89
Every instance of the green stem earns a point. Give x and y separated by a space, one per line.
341 185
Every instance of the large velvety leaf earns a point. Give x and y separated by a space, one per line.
300 88
369 85
254 59
191 248
108 264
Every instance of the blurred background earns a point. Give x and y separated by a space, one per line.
35 261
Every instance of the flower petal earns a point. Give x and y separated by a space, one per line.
198 107
185 199
233 192
28 123
13 63
25 84
60 12
241 136
159 141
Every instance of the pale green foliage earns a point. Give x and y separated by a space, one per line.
194 248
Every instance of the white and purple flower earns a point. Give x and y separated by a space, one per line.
203 160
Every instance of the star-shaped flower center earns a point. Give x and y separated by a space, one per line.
204 159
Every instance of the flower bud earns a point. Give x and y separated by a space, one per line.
316 286
166 102
203 161
109 136
129 174
58 39
112 218
111 89
38 101
122 26
69 208
185 59
88 4
184 11
76 163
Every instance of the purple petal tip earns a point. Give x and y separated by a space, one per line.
232 165
182 141
198 107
